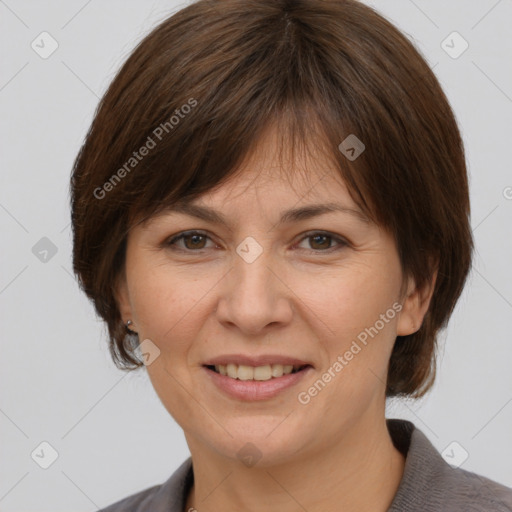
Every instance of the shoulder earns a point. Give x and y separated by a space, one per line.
430 484
470 492
169 496
135 502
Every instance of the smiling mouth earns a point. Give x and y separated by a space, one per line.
256 373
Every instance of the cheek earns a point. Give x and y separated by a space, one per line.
346 301
358 316
163 301
355 320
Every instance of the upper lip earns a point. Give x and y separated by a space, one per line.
260 360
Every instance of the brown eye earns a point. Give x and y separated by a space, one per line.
196 241
323 242
192 241
320 242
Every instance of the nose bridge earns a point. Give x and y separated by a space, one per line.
253 297
252 274
253 288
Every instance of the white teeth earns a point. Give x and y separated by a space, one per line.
263 372
244 372
277 370
232 370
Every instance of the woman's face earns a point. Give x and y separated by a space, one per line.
315 288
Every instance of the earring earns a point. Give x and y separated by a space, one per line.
127 325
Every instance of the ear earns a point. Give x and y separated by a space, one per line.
123 298
415 305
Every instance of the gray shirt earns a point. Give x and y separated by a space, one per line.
429 484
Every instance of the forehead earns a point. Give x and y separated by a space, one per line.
282 194
274 188
273 169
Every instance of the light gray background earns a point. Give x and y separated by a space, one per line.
58 384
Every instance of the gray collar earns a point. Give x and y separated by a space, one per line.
428 484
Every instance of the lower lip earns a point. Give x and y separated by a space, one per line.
255 389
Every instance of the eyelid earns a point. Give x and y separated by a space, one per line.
182 234
342 242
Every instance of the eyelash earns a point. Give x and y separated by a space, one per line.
342 243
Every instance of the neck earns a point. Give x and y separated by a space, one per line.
361 471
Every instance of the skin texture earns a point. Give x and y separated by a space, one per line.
305 296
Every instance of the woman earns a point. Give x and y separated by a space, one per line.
271 213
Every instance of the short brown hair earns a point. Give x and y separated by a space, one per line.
322 70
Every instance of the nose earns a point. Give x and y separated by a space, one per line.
254 297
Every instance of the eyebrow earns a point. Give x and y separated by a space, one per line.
293 215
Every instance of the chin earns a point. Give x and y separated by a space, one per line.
260 441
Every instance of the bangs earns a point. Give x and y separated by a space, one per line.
299 135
